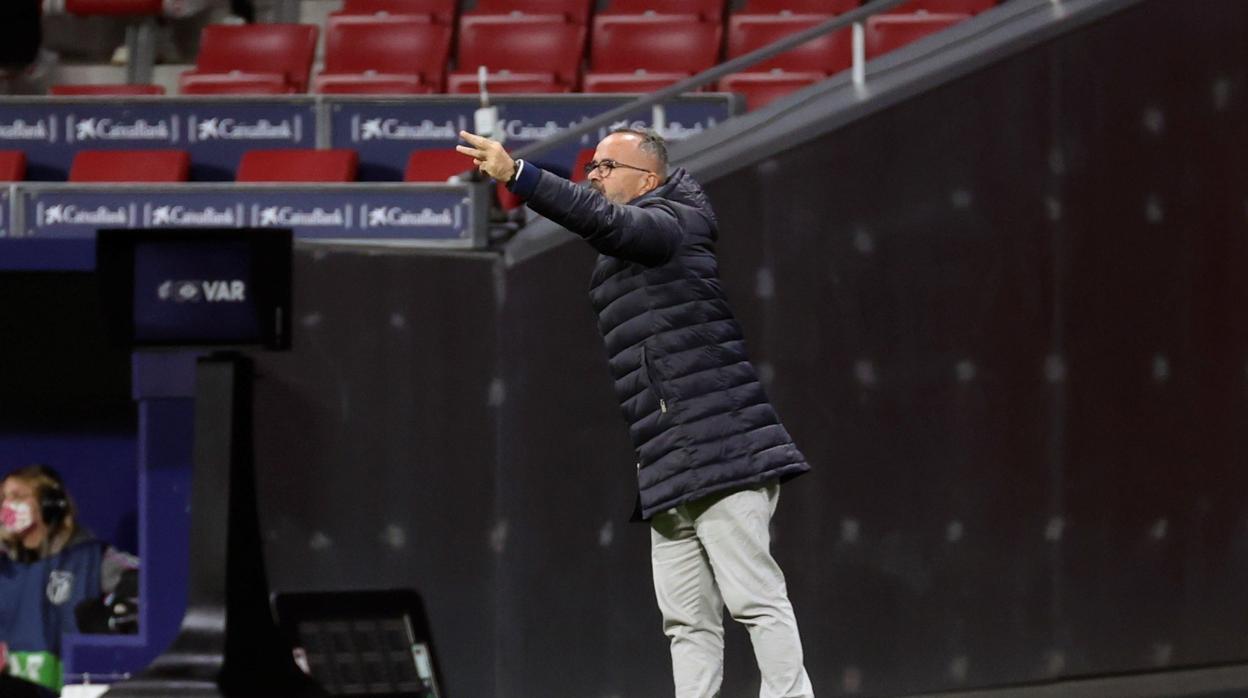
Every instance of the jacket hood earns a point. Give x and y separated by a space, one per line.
683 189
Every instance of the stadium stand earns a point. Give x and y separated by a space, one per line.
435 165
298 165
791 70
506 82
575 11
706 10
760 89
644 81
130 166
12 165
827 54
229 56
653 42
639 53
888 32
105 90
797 7
440 165
440 11
541 45
392 55
967 7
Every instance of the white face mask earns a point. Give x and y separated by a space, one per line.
16 517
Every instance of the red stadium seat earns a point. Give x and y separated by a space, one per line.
507 83
631 82
575 11
762 88
963 7
365 84
439 165
233 83
829 53
440 11
522 44
115 8
105 90
798 7
298 165
706 10
12 165
247 56
130 166
435 165
887 32
388 55
660 43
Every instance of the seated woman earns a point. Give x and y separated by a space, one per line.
49 564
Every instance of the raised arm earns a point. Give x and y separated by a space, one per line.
648 233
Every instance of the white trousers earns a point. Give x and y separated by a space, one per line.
713 553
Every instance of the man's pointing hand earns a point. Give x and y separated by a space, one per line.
488 155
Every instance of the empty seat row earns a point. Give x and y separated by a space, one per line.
525 53
579 11
284 165
405 47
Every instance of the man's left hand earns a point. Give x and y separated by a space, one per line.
489 155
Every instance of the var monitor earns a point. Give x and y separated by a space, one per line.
212 287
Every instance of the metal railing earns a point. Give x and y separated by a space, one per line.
854 17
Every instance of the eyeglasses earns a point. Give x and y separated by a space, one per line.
605 167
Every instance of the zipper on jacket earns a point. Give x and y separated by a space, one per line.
654 384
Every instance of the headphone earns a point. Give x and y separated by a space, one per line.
53 501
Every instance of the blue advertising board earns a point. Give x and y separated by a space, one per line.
385 131
214 131
54 226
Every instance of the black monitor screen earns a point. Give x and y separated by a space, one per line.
197 287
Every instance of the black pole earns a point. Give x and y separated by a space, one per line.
229 644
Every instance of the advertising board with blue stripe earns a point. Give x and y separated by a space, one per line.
215 132
58 222
385 131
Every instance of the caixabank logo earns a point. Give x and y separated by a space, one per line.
520 130
291 216
217 128
173 215
19 129
107 129
73 214
202 291
399 217
394 129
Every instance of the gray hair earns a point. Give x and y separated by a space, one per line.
651 144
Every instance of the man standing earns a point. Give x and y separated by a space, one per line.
711 450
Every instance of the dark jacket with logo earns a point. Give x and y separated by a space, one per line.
699 419
37 600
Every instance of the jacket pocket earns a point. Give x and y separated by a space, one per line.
652 378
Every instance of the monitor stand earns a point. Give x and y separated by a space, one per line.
229 644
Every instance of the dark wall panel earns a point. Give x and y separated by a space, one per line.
377 448
1004 320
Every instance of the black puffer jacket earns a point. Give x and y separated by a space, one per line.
698 416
